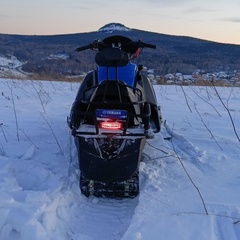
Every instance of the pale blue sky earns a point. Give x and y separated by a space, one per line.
216 20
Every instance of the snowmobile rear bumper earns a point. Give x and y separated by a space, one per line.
109 158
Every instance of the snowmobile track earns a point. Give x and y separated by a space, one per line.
102 218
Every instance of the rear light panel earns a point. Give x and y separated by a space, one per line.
111 125
111 119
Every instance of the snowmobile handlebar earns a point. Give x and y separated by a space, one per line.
99 45
79 49
147 45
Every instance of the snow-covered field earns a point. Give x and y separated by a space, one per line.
190 185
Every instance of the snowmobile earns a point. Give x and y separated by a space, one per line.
114 112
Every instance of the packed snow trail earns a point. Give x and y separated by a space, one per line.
96 218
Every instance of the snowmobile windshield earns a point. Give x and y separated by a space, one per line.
112 57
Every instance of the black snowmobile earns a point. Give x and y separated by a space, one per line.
114 112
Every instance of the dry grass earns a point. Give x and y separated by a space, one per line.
45 78
159 81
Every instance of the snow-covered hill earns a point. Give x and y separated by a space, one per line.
190 185
11 67
113 27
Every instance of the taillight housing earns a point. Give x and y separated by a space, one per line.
111 125
111 119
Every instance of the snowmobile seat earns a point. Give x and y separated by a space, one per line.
126 74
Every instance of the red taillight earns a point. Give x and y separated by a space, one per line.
111 125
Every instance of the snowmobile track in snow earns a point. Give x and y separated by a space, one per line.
97 218
102 218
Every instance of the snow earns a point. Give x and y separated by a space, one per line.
58 56
189 185
112 27
11 66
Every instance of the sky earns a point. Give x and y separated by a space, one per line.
215 20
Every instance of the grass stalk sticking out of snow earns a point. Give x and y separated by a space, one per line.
227 109
208 129
2 152
191 180
207 101
186 99
29 139
195 107
54 135
39 96
1 125
188 175
14 110
43 95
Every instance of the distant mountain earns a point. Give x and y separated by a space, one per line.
173 54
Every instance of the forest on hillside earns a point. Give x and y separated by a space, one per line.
56 56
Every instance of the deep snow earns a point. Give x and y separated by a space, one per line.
190 185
